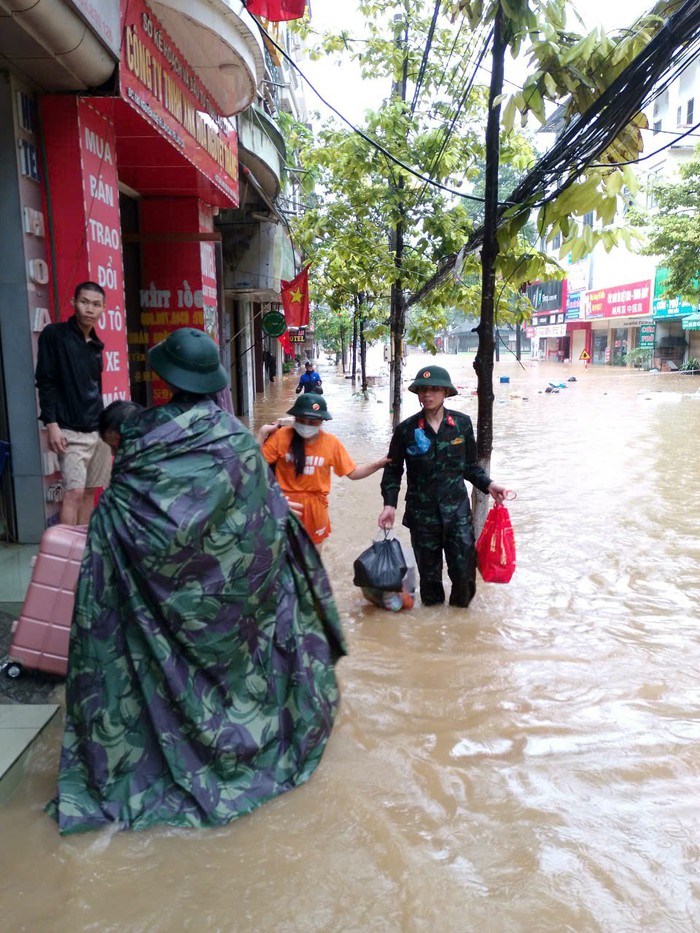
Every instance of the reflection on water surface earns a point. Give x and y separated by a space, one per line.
529 764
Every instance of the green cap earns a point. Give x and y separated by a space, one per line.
310 405
433 376
189 360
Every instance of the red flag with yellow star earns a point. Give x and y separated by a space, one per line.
295 299
286 343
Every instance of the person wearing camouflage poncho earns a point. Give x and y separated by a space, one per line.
438 447
201 673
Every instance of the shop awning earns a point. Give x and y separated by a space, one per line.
152 165
221 43
692 321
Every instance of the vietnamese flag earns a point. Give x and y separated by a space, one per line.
286 343
277 10
295 299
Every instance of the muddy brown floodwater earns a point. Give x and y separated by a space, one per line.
531 764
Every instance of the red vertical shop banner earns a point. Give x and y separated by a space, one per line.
104 244
210 294
82 197
178 264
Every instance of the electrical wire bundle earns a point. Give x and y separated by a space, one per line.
672 50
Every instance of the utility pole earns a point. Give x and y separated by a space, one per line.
361 298
354 339
483 363
397 315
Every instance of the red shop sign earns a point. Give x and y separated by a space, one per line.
620 300
157 82
104 245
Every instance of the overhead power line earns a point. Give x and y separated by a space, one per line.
671 50
426 54
368 139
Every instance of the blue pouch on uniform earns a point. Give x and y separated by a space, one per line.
421 445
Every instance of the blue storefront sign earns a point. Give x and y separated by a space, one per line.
573 306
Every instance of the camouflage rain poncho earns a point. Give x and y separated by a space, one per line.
201 677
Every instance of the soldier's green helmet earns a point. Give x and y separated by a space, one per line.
310 405
433 376
189 360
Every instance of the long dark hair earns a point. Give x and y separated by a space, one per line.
297 448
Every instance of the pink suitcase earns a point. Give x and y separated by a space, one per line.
40 635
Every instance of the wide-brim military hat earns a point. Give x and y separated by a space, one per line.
433 376
310 405
189 360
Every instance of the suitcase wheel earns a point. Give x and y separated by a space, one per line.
13 670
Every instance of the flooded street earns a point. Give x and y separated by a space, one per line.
529 764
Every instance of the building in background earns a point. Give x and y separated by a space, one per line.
612 303
258 251
119 148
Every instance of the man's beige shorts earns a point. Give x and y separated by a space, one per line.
87 463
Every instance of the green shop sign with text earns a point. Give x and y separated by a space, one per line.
662 305
647 334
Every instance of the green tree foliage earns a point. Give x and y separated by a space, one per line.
347 228
570 71
674 230
361 193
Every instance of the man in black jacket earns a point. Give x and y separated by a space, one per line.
438 447
69 380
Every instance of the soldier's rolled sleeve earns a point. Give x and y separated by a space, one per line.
393 471
473 473
477 476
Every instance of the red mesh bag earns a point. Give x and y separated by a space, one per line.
495 549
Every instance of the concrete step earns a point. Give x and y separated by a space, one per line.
20 724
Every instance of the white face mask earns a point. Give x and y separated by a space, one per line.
307 430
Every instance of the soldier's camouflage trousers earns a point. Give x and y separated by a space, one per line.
456 539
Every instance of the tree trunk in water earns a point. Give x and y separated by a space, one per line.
397 316
398 324
363 351
483 363
353 370
362 345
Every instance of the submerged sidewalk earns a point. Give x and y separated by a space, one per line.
15 574
29 703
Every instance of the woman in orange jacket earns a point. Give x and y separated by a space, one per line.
302 455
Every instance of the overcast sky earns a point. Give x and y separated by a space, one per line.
342 87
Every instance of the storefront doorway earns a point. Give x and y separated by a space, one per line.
619 345
600 346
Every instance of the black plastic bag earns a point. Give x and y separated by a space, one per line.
382 566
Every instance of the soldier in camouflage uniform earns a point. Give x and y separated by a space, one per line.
201 679
438 447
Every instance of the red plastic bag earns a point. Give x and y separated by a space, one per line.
495 549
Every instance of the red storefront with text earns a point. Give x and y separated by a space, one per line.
132 182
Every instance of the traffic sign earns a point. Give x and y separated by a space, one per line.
584 355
